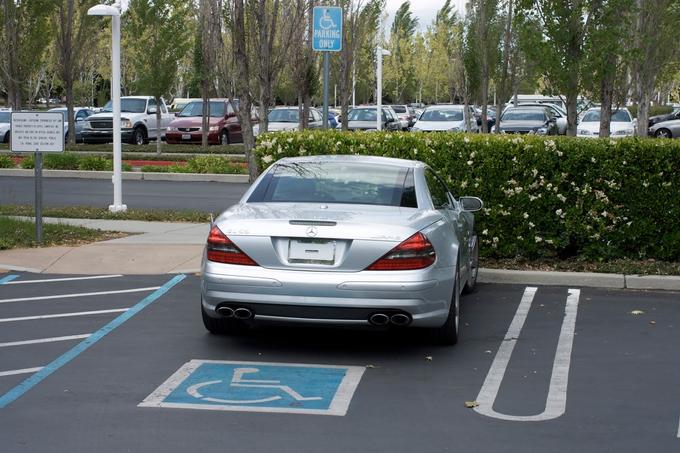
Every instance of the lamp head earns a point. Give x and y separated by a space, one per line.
104 10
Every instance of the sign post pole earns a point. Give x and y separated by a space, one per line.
325 89
326 37
38 198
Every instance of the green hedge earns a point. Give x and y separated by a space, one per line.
71 161
6 162
544 197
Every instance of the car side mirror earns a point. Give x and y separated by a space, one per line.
79 120
471 204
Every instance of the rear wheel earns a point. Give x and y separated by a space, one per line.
222 326
663 133
139 136
473 265
6 138
224 137
448 333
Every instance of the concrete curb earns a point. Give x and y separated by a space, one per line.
129 175
580 279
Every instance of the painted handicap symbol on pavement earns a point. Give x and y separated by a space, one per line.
258 387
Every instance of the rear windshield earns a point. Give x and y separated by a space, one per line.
617 115
337 182
442 115
284 116
523 115
399 108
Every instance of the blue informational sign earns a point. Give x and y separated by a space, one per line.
327 29
259 387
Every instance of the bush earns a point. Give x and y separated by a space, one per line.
6 162
28 163
94 163
653 110
209 164
544 196
60 161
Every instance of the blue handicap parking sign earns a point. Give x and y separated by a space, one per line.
259 387
327 29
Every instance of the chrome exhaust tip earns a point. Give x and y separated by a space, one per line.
243 313
227 312
379 319
400 319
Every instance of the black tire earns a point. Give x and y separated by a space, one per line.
663 133
139 136
221 326
473 265
224 137
447 334
5 139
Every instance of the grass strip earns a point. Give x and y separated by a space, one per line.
151 148
86 212
21 234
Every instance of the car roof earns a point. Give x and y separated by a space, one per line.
359 159
445 107
528 107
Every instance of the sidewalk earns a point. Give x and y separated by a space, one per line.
161 247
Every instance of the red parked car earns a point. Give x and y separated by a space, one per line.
224 124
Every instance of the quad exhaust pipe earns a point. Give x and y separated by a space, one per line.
383 319
238 313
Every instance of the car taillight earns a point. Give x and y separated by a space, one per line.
222 250
415 252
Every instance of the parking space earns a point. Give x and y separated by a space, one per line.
602 378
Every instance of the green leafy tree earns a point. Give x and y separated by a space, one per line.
24 37
162 40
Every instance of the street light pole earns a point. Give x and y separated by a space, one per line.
114 12
380 52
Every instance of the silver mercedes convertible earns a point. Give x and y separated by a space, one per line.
342 240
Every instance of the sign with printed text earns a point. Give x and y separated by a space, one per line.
327 29
33 132
258 387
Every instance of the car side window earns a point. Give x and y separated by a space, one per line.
151 104
82 114
438 191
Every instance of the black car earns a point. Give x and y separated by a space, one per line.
674 115
528 120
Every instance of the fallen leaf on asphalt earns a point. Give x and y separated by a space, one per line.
488 351
428 358
370 366
637 312
652 322
471 404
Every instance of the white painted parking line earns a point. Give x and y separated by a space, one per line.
67 296
67 279
64 315
23 371
678 429
557 393
44 340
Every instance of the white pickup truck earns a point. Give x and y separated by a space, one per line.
137 118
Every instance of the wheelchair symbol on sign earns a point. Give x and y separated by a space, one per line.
238 381
326 22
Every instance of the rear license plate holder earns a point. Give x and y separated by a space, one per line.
186 136
311 251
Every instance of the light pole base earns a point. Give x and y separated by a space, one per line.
117 208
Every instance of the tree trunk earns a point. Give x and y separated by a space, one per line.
606 96
243 88
572 113
503 90
159 126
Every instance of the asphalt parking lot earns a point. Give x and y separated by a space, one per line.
123 363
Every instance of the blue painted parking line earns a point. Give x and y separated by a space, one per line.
7 279
71 354
259 387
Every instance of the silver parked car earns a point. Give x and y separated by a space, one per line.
666 129
342 240
80 114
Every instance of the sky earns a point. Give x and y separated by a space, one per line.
424 10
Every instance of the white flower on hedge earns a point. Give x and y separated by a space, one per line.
525 215
470 162
549 144
415 151
592 159
485 232
538 239
495 240
464 184
466 140
472 155
531 224
559 153
629 223
520 238
290 140
267 159
559 212
517 140
604 213
561 197
645 184
549 241
534 172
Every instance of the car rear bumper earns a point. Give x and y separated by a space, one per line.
175 138
105 136
341 298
